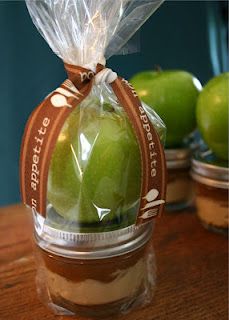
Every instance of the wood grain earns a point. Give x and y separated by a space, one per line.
192 271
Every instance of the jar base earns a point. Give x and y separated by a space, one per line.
101 311
216 229
178 206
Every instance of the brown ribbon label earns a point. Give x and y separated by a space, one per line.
153 186
45 123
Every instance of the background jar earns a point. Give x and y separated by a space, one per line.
211 191
179 184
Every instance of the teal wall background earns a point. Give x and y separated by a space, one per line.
175 37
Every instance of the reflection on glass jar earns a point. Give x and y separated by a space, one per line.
105 276
211 184
179 186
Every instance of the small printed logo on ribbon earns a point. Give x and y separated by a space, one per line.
63 96
151 197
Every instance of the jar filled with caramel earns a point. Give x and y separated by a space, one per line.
95 275
211 186
179 183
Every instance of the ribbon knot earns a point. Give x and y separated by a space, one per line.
80 76
106 75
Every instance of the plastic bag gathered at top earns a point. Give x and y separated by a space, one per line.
95 173
93 260
83 32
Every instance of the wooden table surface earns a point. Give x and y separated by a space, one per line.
191 262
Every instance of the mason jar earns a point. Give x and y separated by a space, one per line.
92 258
95 275
179 183
211 188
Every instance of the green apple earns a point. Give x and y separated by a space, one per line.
94 175
212 114
95 172
173 95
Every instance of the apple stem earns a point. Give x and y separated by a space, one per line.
158 68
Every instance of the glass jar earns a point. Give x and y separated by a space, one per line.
211 185
92 258
96 275
179 184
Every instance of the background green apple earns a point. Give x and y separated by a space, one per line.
173 95
212 114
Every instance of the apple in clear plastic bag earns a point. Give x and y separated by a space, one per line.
95 171
94 175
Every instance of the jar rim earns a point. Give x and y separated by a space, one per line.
178 158
206 170
209 182
95 246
